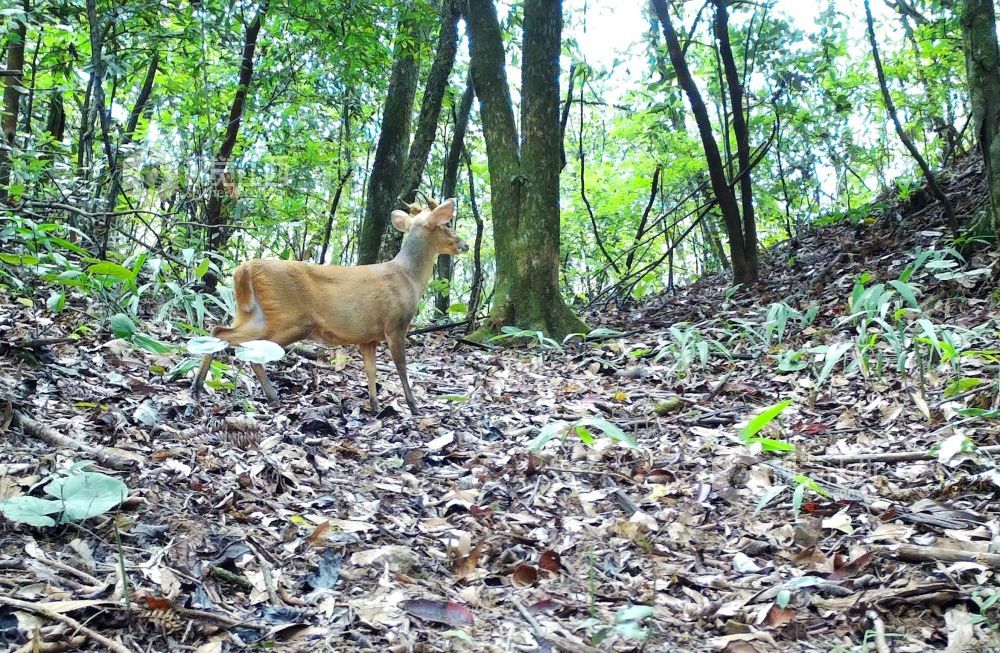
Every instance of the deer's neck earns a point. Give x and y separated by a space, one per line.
417 258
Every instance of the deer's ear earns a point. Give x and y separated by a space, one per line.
401 221
443 213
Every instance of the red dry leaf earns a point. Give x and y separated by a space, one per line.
448 613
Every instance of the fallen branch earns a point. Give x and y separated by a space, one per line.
889 457
561 643
915 553
44 433
41 609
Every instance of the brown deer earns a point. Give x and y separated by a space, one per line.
288 301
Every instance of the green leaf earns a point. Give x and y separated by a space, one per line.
30 510
122 326
202 268
259 351
13 259
56 302
962 385
551 430
610 430
111 269
770 444
203 345
634 613
149 344
906 291
585 436
763 419
87 494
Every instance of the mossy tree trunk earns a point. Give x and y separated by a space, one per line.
982 56
524 174
427 122
393 142
12 99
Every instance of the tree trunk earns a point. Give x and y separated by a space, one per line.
427 122
115 185
12 101
218 229
443 269
524 179
476 288
890 106
744 272
385 181
982 56
735 85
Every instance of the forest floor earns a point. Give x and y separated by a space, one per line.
316 526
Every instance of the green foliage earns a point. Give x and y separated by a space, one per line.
583 429
76 495
749 432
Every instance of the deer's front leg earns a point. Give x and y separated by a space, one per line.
397 348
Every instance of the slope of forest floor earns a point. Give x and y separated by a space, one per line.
317 526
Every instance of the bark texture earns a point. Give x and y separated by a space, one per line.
744 269
390 154
982 56
427 122
524 175
11 101
218 227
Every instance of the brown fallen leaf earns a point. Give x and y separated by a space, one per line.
318 534
550 561
524 576
448 613
778 616
465 565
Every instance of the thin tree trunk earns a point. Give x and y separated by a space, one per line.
890 106
328 230
430 111
583 192
735 85
218 230
444 263
476 290
114 187
564 119
385 181
982 56
641 231
12 101
743 271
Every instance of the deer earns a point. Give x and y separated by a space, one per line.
288 301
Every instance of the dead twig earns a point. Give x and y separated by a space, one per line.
888 457
35 429
915 553
560 643
48 613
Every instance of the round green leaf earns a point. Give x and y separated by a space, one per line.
203 345
30 510
87 494
259 351
122 325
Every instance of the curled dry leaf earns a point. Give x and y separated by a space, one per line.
524 576
550 561
465 565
